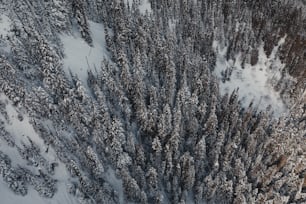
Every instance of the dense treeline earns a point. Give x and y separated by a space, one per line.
153 112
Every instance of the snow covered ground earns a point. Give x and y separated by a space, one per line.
8 196
5 24
172 24
144 6
116 184
81 57
20 132
255 82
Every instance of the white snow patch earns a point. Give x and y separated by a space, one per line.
9 197
129 2
81 57
172 25
32 197
62 195
115 183
5 24
145 6
20 130
255 82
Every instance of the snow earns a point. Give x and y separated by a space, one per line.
255 82
9 197
20 130
115 183
145 6
62 195
129 2
172 25
5 24
81 57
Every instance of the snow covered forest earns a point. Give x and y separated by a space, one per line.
152 101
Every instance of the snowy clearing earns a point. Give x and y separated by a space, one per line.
116 183
81 57
20 131
129 2
255 82
145 6
9 197
5 24
172 25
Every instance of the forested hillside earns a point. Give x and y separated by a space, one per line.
152 101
